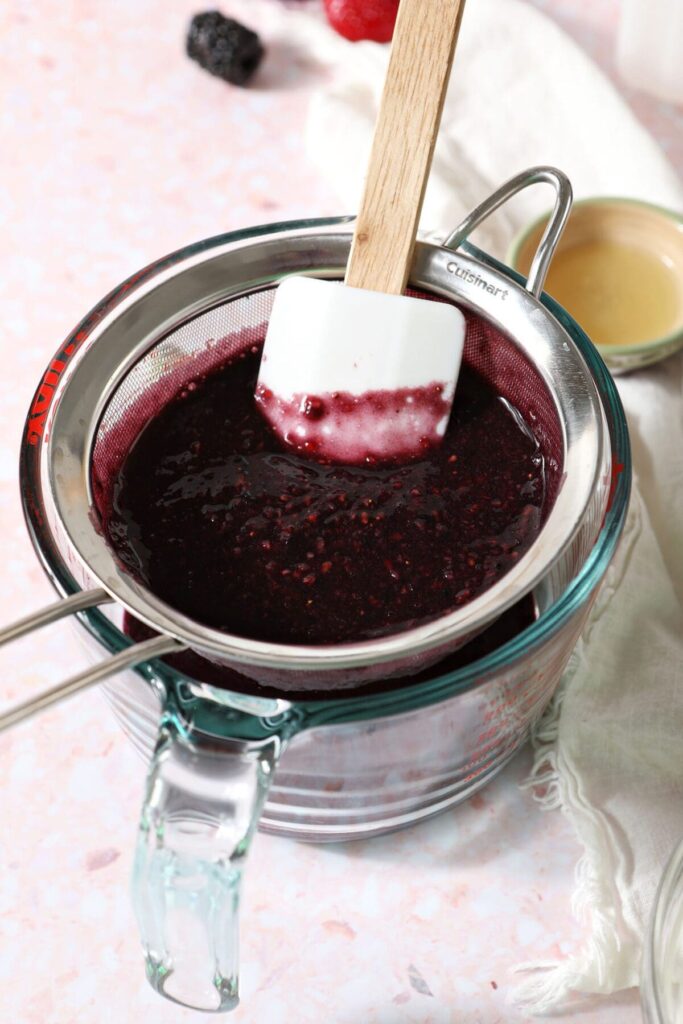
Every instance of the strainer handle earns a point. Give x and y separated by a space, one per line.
203 801
53 613
554 227
133 655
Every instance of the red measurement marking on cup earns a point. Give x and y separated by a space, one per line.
617 470
43 398
37 417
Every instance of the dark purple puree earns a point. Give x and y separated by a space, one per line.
219 520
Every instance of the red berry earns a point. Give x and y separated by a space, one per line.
363 19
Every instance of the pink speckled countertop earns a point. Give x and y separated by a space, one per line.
116 150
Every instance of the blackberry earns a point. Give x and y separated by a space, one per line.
223 47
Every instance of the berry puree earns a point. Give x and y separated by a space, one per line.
220 520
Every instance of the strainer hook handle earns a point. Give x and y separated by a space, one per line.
136 654
554 227
78 602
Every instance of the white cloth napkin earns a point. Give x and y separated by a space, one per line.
610 750
522 93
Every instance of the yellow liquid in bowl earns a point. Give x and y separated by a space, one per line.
619 294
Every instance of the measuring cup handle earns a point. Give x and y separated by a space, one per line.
202 804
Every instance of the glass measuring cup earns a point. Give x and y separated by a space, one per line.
399 755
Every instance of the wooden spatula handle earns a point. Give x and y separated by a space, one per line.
417 77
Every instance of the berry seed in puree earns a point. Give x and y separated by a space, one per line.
217 518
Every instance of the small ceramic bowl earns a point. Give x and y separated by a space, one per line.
653 231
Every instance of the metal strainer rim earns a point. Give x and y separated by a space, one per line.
147 607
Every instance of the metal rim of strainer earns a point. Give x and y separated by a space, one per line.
217 273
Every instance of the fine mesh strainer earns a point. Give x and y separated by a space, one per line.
189 314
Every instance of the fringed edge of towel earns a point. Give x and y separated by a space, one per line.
552 986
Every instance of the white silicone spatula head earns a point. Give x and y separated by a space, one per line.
360 371
351 375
